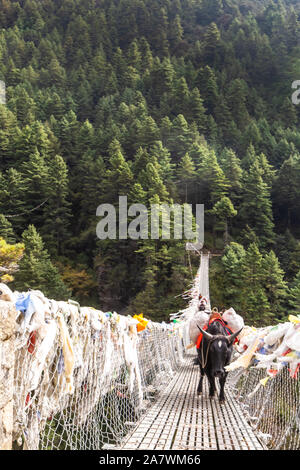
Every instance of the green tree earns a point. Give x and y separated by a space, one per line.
275 285
119 177
152 182
212 181
255 304
286 189
57 213
186 173
147 132
36 271
232 266
163 157
176 32
236 100
224 211
180 138
211 42
6 230
233 172
133 55
293 297
256 206
197 109
12 190
206 82
35 174
288 113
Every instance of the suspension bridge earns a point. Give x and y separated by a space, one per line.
86 379
182 420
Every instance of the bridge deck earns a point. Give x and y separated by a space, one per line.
182 420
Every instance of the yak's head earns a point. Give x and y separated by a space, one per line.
218 349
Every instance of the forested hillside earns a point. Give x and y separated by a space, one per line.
162 101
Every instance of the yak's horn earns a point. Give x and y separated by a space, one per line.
205 334
232 337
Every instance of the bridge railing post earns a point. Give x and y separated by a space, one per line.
7 361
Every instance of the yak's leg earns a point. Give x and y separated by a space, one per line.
212 386
199 389
222 381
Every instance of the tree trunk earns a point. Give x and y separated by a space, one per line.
226 233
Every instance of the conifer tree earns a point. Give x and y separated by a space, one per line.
252 135
199 151
233 172
6 230
36 271
236 101
255 304
68 136
232 266
35 174
288 113
268 142
224 119
186 172
119 177
213 184
9 133
197 109
146 55
147 133
176 32
91 174
151 181
206 82
286 189
56 213
293 298
224 211
180 139
133 55
12 190
163 157
256 208
211 42
181 97
275 285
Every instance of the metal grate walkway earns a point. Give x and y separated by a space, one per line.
181 420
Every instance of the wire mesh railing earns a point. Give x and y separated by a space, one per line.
272 406
87 377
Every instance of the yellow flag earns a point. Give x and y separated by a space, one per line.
294 319
264 380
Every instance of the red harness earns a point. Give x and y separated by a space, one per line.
220 320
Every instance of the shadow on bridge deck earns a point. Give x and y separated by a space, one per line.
182 420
